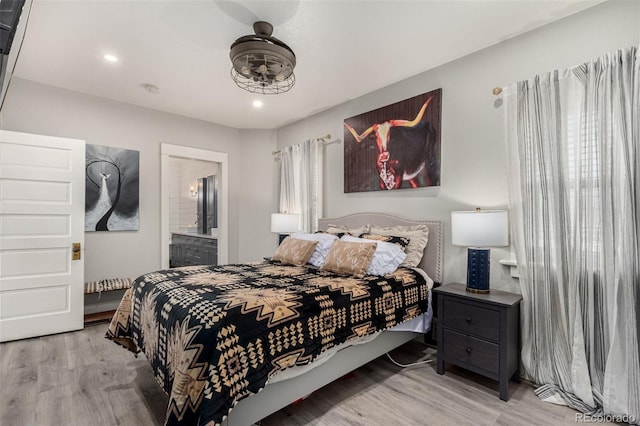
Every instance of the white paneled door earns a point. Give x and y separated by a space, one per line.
41 220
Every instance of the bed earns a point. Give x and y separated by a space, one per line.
225 360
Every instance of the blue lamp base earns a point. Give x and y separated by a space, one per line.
478 270
281 238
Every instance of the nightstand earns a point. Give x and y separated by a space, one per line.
480 332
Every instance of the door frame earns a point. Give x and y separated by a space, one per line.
168 150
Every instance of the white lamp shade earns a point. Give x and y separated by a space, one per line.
282 223
485 228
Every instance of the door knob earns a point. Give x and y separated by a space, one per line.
75 251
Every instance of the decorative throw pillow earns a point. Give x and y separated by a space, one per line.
418 238
403 242
294 251
325 241
386 259
338 229
337 234
349 258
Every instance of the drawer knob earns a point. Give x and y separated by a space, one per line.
468 350
468 320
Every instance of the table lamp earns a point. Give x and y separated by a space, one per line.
284 224
476 230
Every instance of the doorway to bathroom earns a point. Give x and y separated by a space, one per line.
193 204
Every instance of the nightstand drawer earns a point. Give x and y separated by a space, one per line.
472 351
470 319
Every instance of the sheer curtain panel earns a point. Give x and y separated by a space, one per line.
573 141
300 175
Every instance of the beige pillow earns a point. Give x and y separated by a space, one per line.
349 258
354 232
294 251
418 238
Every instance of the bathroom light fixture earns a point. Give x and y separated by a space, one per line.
262 63
193 191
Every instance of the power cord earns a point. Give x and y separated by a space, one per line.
426 361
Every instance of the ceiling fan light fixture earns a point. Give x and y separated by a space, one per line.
261 63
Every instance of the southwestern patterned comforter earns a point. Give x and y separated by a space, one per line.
215 334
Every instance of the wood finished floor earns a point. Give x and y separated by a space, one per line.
81 378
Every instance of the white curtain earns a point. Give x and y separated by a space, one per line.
300 189
573 140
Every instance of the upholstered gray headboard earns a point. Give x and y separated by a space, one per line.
431 262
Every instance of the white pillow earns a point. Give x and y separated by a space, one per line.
325 241
355 232
418 238
386 259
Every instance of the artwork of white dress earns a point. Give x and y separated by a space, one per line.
112 189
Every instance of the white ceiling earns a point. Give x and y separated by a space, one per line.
344 49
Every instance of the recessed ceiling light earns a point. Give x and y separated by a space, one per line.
257 103
110 58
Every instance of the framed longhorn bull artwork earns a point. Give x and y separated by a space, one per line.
394 147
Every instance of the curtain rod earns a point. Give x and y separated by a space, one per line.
323 139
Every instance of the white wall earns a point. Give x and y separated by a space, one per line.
257 198
473 149
36 108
